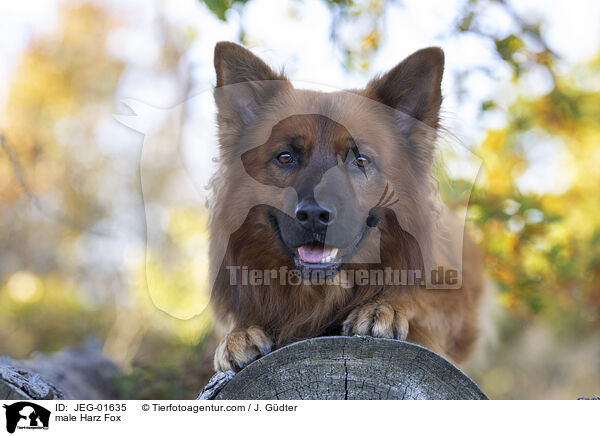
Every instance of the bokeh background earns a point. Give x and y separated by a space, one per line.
522 93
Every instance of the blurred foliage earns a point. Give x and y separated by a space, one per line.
180 288
357 29
543 249
52 84
66 316
357 26
57 192
220 7
57 189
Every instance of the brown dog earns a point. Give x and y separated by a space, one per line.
316 187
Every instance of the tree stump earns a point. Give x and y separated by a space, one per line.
346 368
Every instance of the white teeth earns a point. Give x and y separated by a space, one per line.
330 257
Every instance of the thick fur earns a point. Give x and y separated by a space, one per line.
252 119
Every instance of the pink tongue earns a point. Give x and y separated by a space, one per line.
313 253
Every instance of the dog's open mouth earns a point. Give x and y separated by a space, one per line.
318 256
310 254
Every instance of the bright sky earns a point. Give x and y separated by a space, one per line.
302 44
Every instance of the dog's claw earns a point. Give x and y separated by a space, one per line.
377 319
240 347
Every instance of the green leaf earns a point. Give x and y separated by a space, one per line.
218 7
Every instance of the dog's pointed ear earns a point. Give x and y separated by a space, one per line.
236 64
244 82
413 86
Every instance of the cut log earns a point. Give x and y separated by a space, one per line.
81 372
20 383
346 368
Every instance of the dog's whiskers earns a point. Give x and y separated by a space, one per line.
386 200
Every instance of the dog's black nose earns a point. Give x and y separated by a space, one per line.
313 216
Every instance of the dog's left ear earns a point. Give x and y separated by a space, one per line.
413 86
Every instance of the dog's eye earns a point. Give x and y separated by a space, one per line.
361 161
285 158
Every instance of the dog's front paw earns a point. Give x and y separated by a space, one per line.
377 319
240 347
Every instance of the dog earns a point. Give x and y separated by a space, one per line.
327 185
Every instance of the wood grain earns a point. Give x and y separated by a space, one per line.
346 368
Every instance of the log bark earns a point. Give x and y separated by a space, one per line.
346 368
20 383
81 372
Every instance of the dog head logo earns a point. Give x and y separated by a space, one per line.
322 182
26 415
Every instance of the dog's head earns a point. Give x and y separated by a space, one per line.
329 165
